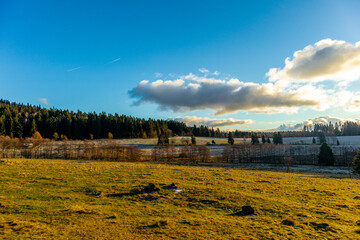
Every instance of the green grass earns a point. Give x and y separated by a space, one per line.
56 199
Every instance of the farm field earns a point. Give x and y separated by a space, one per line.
353 141
58 199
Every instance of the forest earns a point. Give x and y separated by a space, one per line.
22 121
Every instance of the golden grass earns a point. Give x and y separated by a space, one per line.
56 199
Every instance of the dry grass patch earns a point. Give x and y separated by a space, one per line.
111 200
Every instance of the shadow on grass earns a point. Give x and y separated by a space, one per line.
150 188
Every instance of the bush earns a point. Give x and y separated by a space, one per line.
326 156
356 163
36 135
110 135
193 140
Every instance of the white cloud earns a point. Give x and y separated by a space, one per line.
225 96
327 60
313 121
328 119
298 84
158 75
203 70
44 101
216 73
192 120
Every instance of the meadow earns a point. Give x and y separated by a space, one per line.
58 199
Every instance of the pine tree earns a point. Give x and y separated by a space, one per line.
263 140
326 156
322 138
356 163
277 138
2 126
33 128
254 139
18 128
8 123
231 139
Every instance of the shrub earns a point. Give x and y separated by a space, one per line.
36 135
110 135
193 140
56 136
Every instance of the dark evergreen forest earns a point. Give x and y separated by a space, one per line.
21 121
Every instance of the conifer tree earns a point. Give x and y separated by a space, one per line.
33 128
18 128
254 139
356 163
8 123
326 156
263 140
231 139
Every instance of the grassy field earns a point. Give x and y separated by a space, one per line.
174 140
56 199
343 140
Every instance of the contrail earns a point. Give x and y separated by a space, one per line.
73 69
115 60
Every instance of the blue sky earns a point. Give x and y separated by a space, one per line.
92 56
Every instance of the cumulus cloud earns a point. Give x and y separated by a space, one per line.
224 96
328 119
192 120
44 101
325 60
216 73
313 121
298 84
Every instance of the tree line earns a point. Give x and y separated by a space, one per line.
22 121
